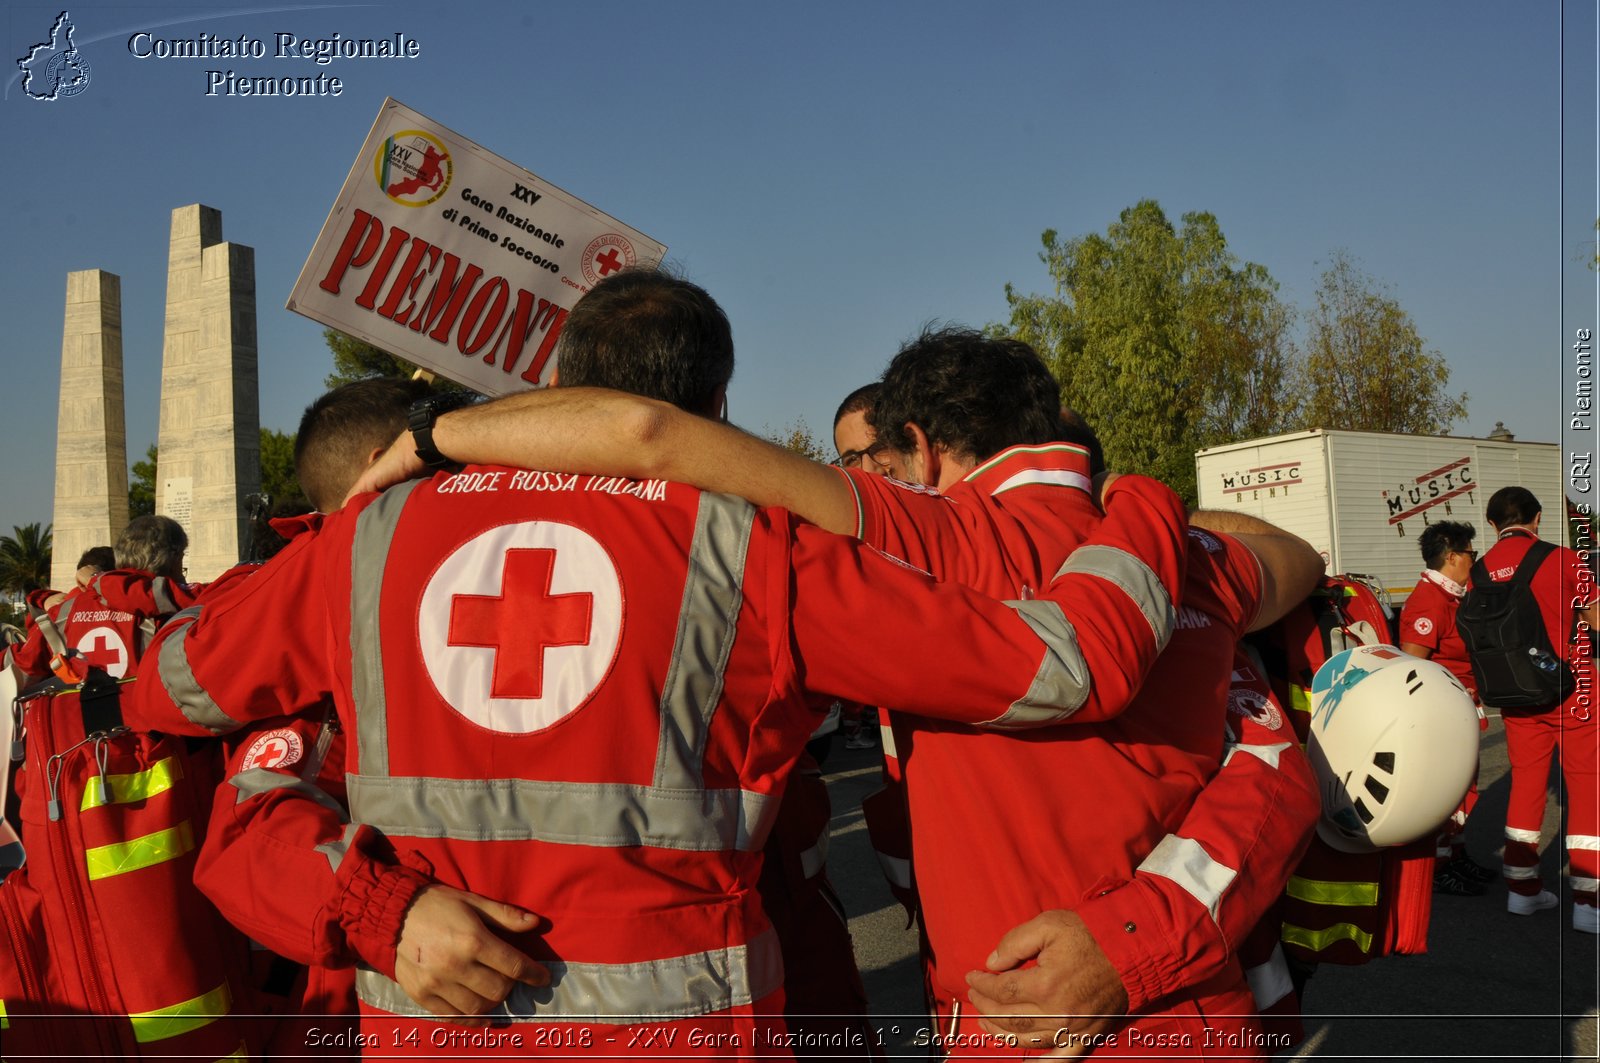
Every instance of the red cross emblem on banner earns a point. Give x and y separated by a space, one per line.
521 622
609 262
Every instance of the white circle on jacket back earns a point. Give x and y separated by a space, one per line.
520 624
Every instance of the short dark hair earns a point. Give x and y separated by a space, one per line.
861 400
101 557
1510 506
340 429
1440 540
153 543
973 394
647 332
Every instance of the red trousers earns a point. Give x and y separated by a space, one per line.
1532 739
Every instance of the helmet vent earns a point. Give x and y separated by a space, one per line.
1379 791
1384 762
1363 811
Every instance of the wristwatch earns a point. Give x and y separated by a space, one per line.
420 419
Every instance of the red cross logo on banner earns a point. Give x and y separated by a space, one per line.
521 623
104 648
609 262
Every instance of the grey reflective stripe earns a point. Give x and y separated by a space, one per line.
164 600
47 627
177 678
369 552
609 815
707 619
676 812
1266 754
1062 684
1135 578
700 983
257 781
1270 981
814 859
335 851
1185 861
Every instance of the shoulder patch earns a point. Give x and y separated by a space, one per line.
275 749
1212 544
1422 625
1256 706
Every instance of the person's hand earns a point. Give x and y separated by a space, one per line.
1102 483
450 960
396 465
86 574
1071 994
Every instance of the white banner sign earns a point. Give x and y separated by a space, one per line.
448 256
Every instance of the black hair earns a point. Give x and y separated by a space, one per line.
973 394
652 334
1510 506
1439 541
861 400
101 557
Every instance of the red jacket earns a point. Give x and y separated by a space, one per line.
1140 771
1429 620
583 817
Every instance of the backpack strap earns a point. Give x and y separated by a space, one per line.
1531 561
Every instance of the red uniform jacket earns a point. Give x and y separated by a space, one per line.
598 687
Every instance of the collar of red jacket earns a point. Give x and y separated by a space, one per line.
1050 464
289 527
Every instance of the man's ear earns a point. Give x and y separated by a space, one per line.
374 455
928 456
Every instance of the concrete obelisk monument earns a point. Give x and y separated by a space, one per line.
91 497
210 431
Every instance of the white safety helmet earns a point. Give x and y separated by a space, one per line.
1394 743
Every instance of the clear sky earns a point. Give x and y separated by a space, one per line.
837 174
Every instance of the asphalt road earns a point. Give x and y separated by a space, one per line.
1492 985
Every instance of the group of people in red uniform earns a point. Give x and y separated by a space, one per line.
514 760
1564 588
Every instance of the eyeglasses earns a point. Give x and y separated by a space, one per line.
854 459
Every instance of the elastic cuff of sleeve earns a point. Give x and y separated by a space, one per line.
1128 931
373 909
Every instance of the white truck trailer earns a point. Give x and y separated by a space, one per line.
1362 498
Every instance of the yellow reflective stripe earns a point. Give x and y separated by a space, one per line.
1317 891
134 786
1317 940
119 858
5 1020
1299 698
238 1055
180 1018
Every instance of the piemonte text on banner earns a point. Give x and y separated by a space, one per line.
447 255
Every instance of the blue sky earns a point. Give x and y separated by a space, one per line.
837 174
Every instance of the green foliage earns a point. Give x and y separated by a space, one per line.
1366 367
1162 338
278 480
797 437
25 559
142 486
355 359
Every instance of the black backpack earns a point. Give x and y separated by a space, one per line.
1512 659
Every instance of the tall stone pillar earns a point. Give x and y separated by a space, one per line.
210 432
91 503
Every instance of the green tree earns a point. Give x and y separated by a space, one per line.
142 486
25 559
1162 338
278 480
797 437
1366 366
355 359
